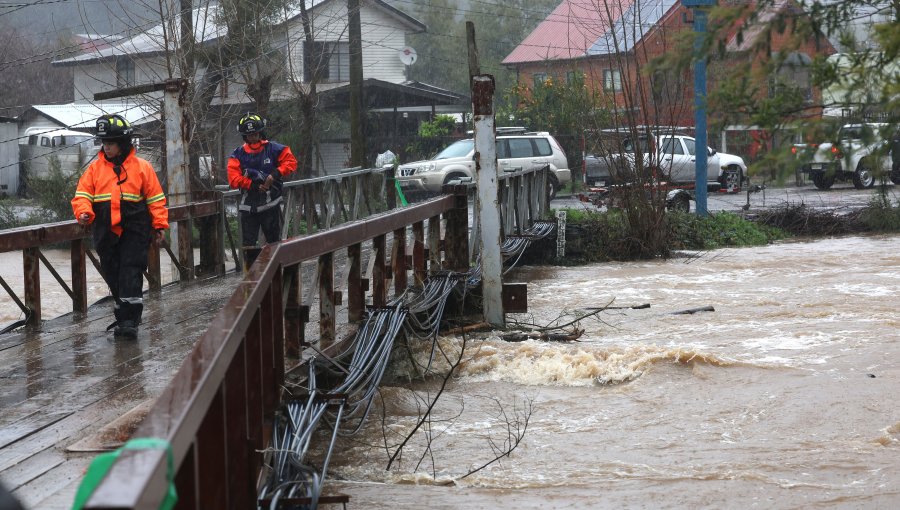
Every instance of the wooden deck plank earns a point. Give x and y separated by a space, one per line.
62 479
31 468
35 422
61 384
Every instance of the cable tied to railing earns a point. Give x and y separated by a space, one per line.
415 313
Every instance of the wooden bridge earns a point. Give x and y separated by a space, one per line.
206 374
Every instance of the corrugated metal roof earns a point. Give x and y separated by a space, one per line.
636 22
568 32
84 115
154 40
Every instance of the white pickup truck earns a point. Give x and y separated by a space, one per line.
862 153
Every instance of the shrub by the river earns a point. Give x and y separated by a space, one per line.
594 236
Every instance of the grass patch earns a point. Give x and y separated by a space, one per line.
594 236
719 230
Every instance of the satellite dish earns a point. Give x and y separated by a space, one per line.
408 56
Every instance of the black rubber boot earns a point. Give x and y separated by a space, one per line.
126 330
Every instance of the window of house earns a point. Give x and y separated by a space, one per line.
612 80
793 77
328 61
573 76
124 72
539 78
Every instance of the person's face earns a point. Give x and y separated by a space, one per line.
253 138
111 149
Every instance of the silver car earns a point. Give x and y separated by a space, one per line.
514 153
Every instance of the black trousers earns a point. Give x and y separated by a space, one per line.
251 223
123 260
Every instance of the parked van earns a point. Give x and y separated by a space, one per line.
73 149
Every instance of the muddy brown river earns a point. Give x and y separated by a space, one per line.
783 397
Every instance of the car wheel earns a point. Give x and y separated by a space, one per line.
680 203
863 177
732 178
823 180
552 187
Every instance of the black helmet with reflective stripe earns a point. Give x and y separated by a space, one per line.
251 123
113 127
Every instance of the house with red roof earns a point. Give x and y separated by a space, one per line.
611 42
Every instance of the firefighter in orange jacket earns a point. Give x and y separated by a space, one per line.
120 195
257 168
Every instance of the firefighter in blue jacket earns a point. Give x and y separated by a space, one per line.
257 168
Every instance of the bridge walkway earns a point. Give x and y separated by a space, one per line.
69 390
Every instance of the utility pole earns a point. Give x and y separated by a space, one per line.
487 205
357 114
698 9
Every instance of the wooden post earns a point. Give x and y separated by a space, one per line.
418 253
178 175
31 271
293 325
356 294
456 237
79 276
326 300
379 289
398 261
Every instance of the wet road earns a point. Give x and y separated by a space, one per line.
841 196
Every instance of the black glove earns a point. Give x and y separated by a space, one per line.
254 186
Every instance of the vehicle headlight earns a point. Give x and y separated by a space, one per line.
429 167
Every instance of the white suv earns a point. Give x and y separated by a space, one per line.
862 153
514 153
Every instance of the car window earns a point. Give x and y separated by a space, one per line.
672 146
542 147
45 142
502 149
456 150
519 147
628 145
691 146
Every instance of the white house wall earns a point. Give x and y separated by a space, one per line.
101 76
9 159
382 39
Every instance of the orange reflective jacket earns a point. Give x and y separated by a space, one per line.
133 200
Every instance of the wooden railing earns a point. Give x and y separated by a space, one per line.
207 214
319 203
216 412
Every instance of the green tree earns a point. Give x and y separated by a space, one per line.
566 109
